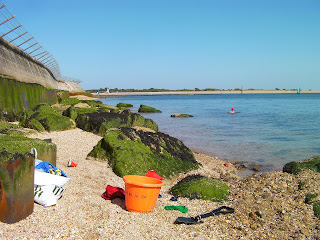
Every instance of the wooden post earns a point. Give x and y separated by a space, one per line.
16 187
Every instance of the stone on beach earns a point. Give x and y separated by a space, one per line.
135 152
298 166
49 118
201 187
101 122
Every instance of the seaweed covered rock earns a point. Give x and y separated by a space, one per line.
201 187
70 101
73 111
316 209
78 107
34 124
11 129
101 122
148 109
298 166
18 144
135 152
100 106
124 105
49 118
181 115
313 198
310 197
10 116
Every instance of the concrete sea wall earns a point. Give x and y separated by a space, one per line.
19 65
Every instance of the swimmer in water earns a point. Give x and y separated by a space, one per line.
232 110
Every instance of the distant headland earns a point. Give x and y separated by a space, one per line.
148 92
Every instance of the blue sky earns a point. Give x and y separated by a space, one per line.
177 44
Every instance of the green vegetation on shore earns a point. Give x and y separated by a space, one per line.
115 90
13 140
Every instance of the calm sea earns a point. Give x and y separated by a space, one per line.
267 129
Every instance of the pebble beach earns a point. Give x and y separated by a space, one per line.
267 206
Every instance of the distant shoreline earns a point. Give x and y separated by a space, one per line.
104 94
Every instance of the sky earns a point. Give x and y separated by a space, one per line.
179 44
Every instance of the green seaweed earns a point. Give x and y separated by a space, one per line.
205 188
124 105
35 124
310 197
16 96
148 109
50 119
73 112
70 101
6 126
316 209
129 155
296 167
12 129
18 144
101 122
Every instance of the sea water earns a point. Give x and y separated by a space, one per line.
267 129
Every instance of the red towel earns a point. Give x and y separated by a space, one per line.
153 174
113 192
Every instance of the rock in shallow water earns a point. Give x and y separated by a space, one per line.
181 115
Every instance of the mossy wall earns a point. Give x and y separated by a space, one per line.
18 96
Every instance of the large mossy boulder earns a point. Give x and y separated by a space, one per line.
18 144
50 119
298 166
148 109
135 152
201 187
101 122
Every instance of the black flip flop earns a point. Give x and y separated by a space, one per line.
197 219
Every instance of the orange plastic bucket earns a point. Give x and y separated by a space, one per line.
141 192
